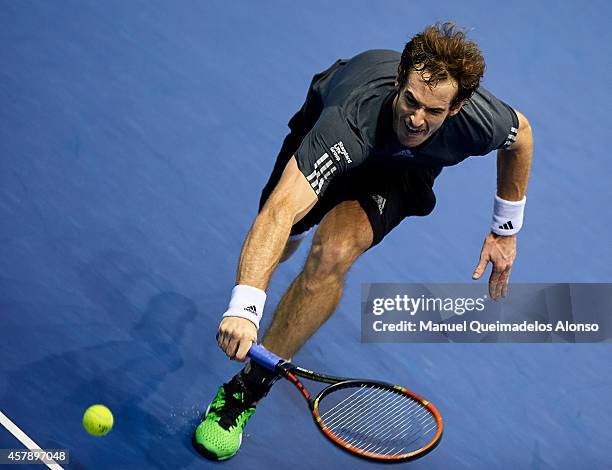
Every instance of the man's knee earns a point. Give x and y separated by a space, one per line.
341 238
331 258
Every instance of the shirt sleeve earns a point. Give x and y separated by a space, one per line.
499 122
332 147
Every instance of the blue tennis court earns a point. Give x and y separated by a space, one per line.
135 138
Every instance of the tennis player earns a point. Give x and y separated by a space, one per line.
362 154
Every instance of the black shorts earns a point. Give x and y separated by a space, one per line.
386 190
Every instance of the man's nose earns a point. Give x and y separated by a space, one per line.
417 118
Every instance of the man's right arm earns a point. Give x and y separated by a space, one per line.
290 201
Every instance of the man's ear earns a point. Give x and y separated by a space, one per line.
397 76
456 108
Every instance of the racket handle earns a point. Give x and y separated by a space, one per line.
263 357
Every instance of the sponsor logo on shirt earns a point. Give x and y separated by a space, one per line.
338 150
511 137
403 153
380 201
323 169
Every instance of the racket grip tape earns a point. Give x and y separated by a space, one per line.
263 357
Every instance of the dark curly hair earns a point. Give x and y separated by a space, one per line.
442 51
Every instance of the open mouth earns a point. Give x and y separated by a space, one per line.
413 130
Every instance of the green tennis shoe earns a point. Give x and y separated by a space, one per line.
219 436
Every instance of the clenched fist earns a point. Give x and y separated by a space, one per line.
235 337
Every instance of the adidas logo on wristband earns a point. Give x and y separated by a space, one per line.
246 302
507 216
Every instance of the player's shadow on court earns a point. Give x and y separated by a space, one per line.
122 341
126 375
145 363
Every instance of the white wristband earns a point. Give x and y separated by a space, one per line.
507 216
246 302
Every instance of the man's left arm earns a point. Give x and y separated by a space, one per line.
513 167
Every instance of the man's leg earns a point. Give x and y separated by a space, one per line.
343 235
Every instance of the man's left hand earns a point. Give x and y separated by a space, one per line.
501 251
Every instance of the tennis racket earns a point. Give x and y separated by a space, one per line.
370 419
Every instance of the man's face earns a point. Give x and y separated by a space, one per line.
419 111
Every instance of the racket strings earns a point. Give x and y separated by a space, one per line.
357 420
361 404
423 422
378 430
369 426
328 415
380 417
355 401
400 437
377 420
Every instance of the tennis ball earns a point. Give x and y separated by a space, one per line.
98 420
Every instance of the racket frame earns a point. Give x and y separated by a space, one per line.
291 372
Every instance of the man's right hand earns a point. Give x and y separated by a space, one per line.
235 337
